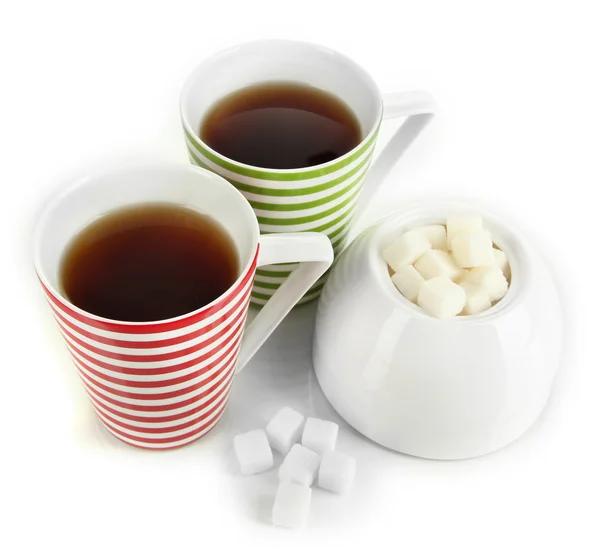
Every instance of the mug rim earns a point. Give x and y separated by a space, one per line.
184 94
61 192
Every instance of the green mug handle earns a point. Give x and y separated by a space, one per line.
418 107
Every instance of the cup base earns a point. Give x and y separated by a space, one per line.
148 446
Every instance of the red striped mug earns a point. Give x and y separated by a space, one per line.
163 384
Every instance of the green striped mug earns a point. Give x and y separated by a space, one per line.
323 198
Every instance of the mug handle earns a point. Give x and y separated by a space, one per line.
418 107
315 252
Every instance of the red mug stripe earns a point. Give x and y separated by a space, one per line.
98 352
142 384
166 446
167 429
155 344
149 371
158 396
162 419
185 436
152 408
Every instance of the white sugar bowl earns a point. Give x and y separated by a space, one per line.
436 388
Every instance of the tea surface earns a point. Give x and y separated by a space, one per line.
281 125
148 262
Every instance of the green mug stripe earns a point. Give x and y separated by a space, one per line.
274 286
337 232
270 192
336 246
323 227
318 287
333 222
281 267
278 176
304 301
340 234
267 273
263 206
256 292
264 285
271 280
310 218
276 192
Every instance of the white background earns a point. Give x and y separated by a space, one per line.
87 84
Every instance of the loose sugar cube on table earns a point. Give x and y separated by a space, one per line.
502 262
299 466
437 264
441 297
462 224
408 281
490 277
336 472
253 452
478 298
406 249
474 249
319 435
292 504
436 234
285 429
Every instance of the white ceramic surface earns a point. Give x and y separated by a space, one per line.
442 389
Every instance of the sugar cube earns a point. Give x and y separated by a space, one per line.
502 261
336 472
292 504
473 249
285 429
406 249
490 277
441 297
462 224
476 272
478 298
299 466
437 264
436 234
319 435
253 452
408 281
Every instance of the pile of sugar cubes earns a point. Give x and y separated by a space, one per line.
309 454
449 270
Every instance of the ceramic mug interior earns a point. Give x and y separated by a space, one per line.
280 60
186 185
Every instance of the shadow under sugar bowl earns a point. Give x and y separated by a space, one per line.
436 388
